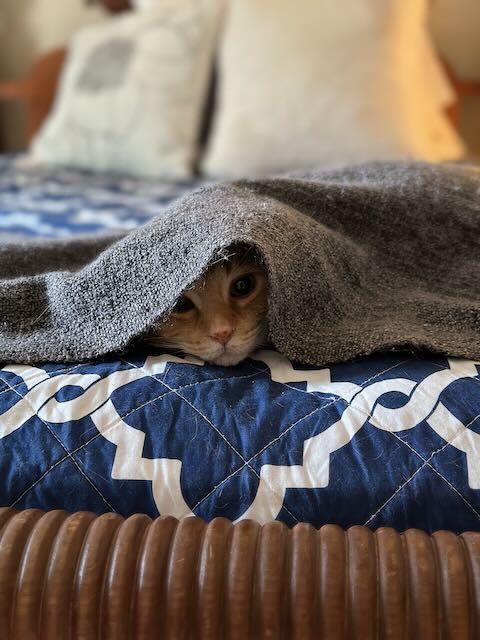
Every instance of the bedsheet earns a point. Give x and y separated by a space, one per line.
56 202
388 440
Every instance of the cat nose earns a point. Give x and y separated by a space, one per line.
222 335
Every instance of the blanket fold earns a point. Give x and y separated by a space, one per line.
359 260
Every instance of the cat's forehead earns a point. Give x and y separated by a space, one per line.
232 263
238 254
215 273
224 267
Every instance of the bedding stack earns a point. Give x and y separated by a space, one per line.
388 439
365 408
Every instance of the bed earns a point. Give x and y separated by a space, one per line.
279 458
394 435
411 458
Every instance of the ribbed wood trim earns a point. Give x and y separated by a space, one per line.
86 577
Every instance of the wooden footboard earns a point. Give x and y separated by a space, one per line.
85 577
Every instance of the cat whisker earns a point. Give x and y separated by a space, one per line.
157 341
165 346
221 259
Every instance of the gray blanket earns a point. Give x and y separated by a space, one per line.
359 259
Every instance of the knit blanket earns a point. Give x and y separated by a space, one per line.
360 259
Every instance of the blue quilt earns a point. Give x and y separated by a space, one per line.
389 440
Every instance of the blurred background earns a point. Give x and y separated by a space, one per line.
29 28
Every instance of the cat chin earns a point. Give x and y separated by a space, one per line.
227 359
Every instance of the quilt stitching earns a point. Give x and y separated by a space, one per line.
38 480
433 454
69 455
99 435
258 453
454 379
10 387
251 469
426 462
318 409
173 390
219 432
150 401
176 392
455 490
245 463
381 373
73 452
210 423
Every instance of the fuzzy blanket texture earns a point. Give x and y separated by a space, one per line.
360 259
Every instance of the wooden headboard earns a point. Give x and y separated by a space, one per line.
115 6
37 91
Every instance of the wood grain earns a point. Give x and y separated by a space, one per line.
86 577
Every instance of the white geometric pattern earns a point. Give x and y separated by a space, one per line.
363 406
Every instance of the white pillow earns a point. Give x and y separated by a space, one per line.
323 82
132 92
144 4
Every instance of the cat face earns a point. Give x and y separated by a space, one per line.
222 317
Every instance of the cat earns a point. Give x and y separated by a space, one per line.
221 318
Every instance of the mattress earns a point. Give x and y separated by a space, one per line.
388 440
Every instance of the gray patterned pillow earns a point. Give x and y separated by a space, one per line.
132 92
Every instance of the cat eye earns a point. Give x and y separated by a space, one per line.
243 286
183 305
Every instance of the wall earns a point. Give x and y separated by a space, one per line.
27 28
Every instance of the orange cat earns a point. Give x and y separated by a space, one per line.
222 317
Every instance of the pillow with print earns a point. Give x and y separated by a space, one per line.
132 92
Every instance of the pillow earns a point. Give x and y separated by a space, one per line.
132 92
310 84
144 4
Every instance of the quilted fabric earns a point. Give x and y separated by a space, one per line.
36 200
390 440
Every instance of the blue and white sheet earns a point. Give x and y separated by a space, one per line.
389 440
